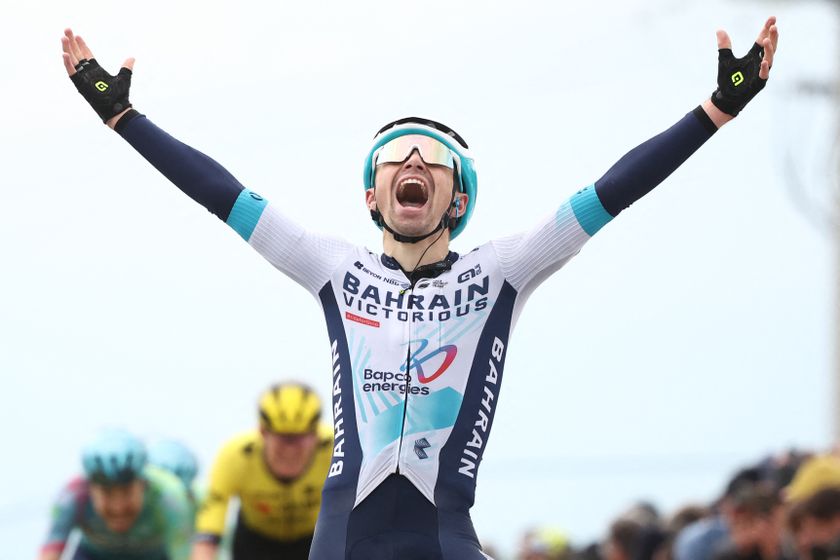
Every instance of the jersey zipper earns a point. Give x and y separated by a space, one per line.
407 380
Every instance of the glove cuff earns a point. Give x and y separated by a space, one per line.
125 119
705 119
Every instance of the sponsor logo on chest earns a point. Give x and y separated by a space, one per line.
369 303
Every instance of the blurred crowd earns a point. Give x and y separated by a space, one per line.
785 507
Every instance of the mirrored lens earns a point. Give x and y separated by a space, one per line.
431 151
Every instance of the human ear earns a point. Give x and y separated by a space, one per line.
459 205
370 199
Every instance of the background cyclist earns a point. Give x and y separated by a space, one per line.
277 472
175 457
124 508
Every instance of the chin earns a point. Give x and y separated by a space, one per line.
120 525
290 472
413 227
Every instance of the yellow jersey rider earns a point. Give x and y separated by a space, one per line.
277 472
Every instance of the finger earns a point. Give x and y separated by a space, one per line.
65 46
764 72
68 65
774 36
769 52
74 45
84 48
129 63
723 40
765 31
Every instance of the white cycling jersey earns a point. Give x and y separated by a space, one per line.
417 358
416 368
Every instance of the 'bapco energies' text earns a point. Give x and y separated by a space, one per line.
384 381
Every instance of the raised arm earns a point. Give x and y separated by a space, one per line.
529 258
307 258
197 175
647 165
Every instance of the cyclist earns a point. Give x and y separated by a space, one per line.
175 457
124 508
418 334
277 472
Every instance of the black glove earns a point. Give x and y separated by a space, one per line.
107 94
738 80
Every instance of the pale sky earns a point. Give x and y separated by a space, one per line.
691 335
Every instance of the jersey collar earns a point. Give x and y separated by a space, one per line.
431 270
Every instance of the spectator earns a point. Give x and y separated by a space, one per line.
624 539
702 539
644 513
685 516
544 544
680 520
756 525
815 525
815 474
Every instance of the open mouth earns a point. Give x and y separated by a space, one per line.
412 192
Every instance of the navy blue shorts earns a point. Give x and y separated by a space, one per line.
250 545
396 522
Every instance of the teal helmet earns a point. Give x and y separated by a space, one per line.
465 175
114 457
175 457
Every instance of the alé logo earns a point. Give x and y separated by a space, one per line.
419 357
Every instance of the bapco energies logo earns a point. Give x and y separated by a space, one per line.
418 358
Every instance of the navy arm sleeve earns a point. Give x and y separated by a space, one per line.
199 176
307 258
648 164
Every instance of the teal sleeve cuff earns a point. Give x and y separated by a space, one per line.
246 213
589 211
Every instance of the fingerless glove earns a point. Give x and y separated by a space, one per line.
738 79
107 94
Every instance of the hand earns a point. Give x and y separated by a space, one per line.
740 79
202 550
107 94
